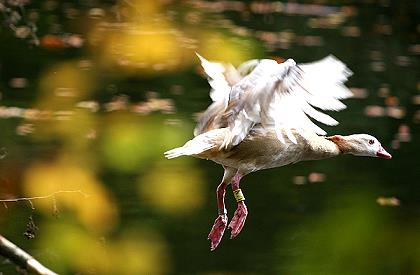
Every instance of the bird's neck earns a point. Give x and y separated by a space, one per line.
326 147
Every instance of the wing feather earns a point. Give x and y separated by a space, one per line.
286 96
221 77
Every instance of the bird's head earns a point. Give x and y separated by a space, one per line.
366 145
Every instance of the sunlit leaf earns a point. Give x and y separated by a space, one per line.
130 141
175 188
96 211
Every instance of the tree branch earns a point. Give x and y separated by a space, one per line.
30 199
21 258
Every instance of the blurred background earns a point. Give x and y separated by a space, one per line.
93 92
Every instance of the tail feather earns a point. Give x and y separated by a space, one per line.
199 144
190 148
174 153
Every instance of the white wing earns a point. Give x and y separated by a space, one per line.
284 96
221 78
217 78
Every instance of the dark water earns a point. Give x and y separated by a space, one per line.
92 98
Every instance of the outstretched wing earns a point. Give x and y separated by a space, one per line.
221 78
286 96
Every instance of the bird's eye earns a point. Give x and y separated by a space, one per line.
371 141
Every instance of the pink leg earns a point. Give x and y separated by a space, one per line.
241 212
218 229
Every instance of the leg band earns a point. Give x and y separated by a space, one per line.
239 196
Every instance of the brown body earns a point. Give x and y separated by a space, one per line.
261 149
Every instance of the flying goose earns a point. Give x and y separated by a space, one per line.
260 118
